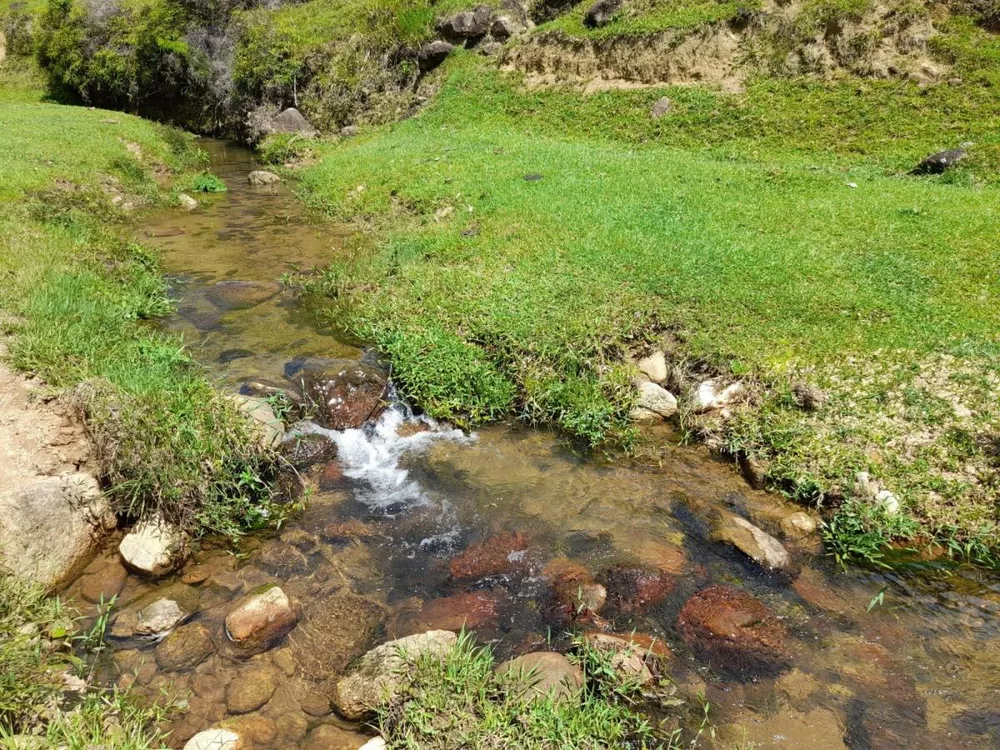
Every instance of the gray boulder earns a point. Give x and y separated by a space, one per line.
50 528
469 26
292 121
941 162
260 177
601 13
431 55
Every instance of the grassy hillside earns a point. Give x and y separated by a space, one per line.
773 251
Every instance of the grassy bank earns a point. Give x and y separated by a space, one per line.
78 298
770 250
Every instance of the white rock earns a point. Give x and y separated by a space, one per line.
375 743
710 395
214 739
153 548
888 501
644 416
260 177
755 543
187 202
50 528
798 524
654 367
656 399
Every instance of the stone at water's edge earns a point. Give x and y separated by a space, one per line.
103 585
345 395
654 367
153 548
260 620
49 529
270 429
187 202
656 399
329 737
215 739
547 674
381 672
304 450
711 395
753 542
291 121
734 631
798 524
156 614
260 177
631 654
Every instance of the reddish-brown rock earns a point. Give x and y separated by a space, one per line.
469 610
575 596
344 395
332 477
502 553
736 632
631 589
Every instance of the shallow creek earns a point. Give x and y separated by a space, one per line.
373 556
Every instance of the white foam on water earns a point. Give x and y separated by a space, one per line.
372 454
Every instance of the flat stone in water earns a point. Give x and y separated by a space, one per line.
231 355
241 295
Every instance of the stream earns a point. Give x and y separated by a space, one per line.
417 526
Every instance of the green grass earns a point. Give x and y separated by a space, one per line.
459 701
734 225
83 298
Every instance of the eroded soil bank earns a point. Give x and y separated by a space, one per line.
416 526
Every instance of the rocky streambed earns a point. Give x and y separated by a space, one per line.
412 529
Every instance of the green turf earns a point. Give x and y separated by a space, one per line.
772 253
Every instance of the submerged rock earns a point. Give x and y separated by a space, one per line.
185 648
753 542
468 610
546 675
50 528
734 631
601 13
344 394
152 548
497 555
241 295
334 631
432 55
260 177
104 584
798 525
575 596
329 737
632 589
381 672
251 689
260 619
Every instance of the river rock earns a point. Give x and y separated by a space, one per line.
941 162
104 584
632 588
241 295
601 13
259 731
269 428
798 525
322 650
656 399
153 616
631 654
329 737
432 55
380 673
152 548
259 177
291 121
468 610
345 395
661 108
305 450
575 596
186 202
50 528
547 674
654 367
711 395
468 26
734 631
497 555
260 619
753 542
251 688
375 743
184 648
215 739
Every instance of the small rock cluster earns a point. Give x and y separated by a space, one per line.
481 28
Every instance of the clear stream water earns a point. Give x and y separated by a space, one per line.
369 557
